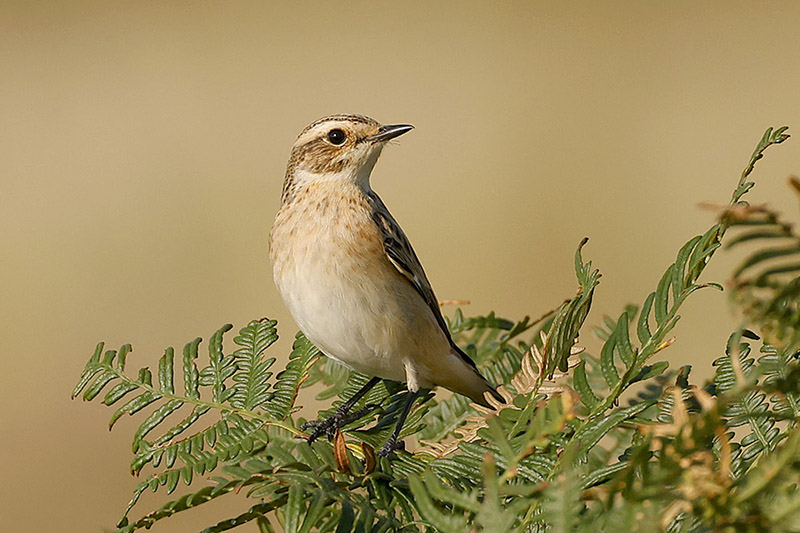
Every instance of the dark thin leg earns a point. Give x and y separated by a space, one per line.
392 444
340 417
346 406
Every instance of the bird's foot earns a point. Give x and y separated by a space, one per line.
336 421
391 445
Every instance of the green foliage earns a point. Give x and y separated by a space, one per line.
584 442
766 285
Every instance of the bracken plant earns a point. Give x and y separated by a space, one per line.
614 441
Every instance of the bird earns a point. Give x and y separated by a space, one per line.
350 278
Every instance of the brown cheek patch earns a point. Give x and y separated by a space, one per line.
319 157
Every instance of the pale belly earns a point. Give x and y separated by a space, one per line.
351 303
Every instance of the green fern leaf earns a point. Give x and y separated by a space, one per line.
562 506
430 512
582 387
166 371
221 367
155 418
569 319
252 375
191 376
596 428
288 382
256 512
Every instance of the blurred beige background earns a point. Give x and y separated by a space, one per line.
143 146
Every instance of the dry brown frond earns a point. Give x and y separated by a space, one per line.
738 211
453 302
529 379
340 453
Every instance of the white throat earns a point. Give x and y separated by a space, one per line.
358 176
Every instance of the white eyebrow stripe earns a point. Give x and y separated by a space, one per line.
318 130
325 124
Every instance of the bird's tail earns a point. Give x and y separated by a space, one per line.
471 383
491 390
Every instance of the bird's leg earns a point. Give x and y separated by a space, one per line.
392 444
340 417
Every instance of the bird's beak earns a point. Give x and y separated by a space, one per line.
389 131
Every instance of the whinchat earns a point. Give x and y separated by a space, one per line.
349 275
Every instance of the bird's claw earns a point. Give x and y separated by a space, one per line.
336 421
391 445
320 427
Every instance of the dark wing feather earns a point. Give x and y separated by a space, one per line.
402 256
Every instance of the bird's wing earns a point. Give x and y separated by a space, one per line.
402 256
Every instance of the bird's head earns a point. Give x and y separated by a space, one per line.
338 148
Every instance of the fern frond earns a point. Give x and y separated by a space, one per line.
660 307
235 388
220 367
568 320
257 512
183 503
333 375
766 285
433 515
488 341
529 381
562 504
251 389
735 372
288 382
780 370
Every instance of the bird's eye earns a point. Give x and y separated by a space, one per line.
336 136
